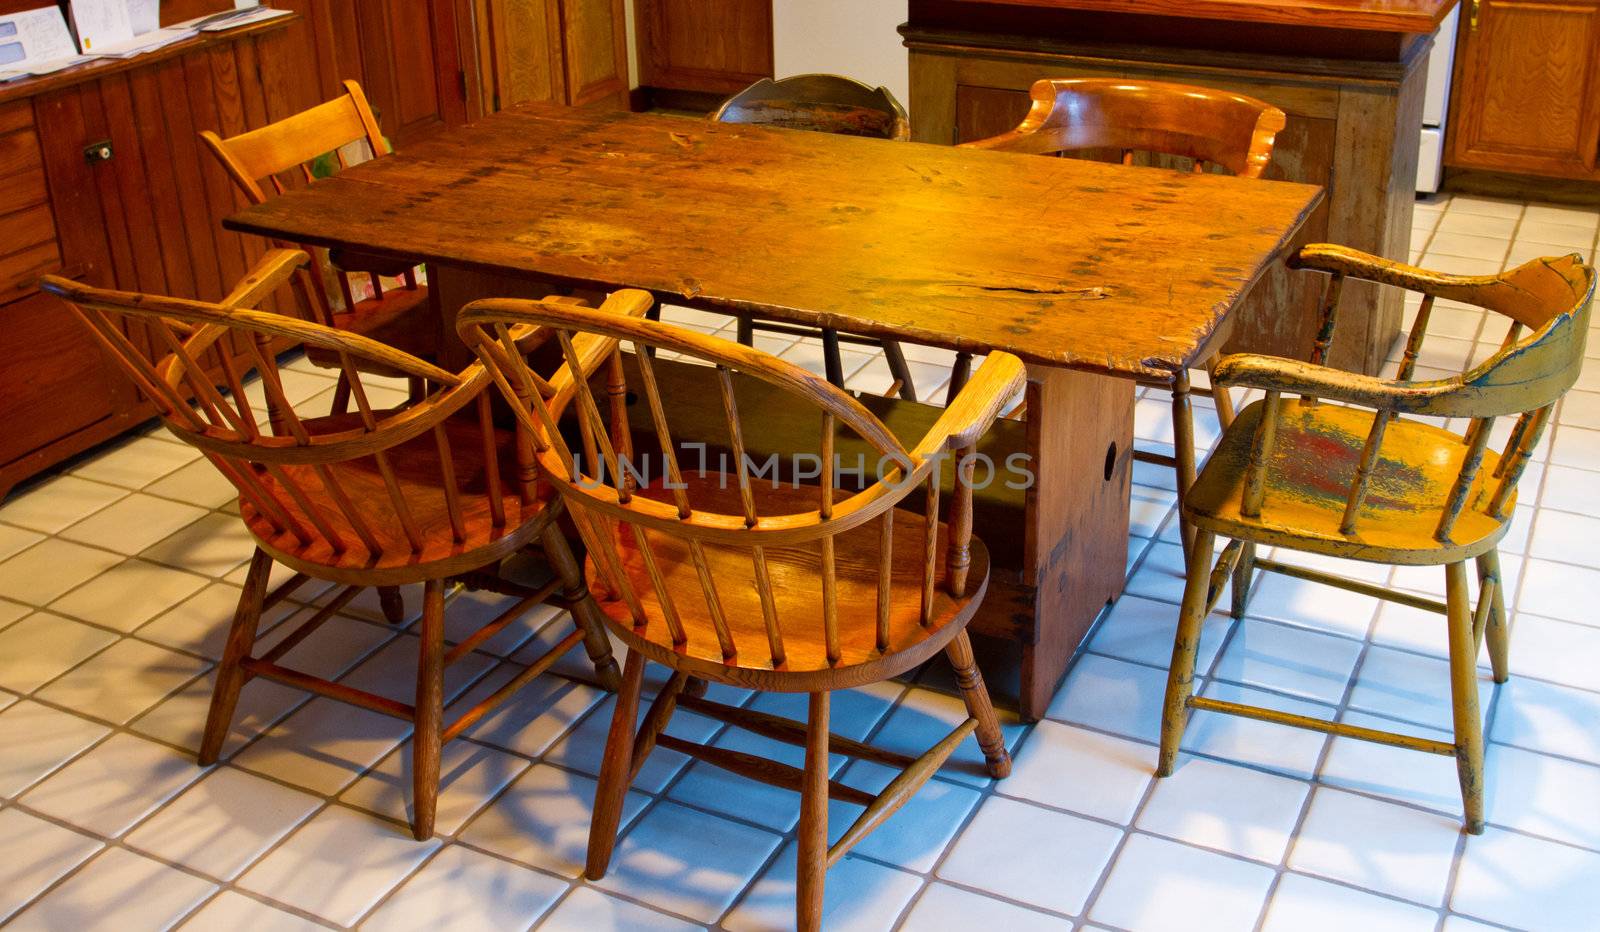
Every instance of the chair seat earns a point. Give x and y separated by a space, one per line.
797 586
1310 474
416 468
401 319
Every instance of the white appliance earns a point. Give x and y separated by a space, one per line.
1436 104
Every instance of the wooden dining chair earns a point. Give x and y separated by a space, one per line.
296 150
824 103
431 492
1205 126
1348 471
764 583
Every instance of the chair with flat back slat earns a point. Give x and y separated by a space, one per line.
267 161
1206 126
430 492
824 103
1348 471
762 582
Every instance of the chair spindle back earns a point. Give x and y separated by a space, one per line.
286 466
1550 297
661 515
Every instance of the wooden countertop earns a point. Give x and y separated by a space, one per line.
1415 16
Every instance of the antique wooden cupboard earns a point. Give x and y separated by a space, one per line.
1525 96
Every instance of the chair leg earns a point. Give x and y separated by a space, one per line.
746 329
1243 575
832 362
394 607
427 737
1496 632
585 614
970 681
896 358
812 866
1180 675
230 675
1183 451
614 769
960 372
1464 695
416 388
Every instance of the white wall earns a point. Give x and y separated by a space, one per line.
857 38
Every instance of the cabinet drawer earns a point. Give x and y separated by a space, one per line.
54 380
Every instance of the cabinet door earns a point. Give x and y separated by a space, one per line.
715 46
519 52
54 380
1525 93
595 49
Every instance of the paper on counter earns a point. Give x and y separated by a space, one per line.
34 41
244 16
101 24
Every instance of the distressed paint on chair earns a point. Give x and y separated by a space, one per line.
1347 471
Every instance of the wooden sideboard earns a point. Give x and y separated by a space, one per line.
1348 75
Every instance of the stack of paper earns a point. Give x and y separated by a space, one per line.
35 42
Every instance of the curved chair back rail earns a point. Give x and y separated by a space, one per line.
1211 127
1548 303
352 490
825 103
677 519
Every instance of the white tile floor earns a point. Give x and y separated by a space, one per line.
117 577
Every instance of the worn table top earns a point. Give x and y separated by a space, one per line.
1126 271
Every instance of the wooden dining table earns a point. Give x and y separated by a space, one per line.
1094 274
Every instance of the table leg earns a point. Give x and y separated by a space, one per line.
1080 438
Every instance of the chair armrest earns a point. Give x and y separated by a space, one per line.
1342 260
1290 376
977 405
265 276
593 350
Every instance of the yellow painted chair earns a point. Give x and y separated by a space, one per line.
1347 471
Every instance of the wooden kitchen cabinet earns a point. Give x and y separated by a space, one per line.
717 47
572 52
148 217
1525 96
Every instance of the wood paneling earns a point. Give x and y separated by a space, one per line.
1525 96
716 46
54 380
